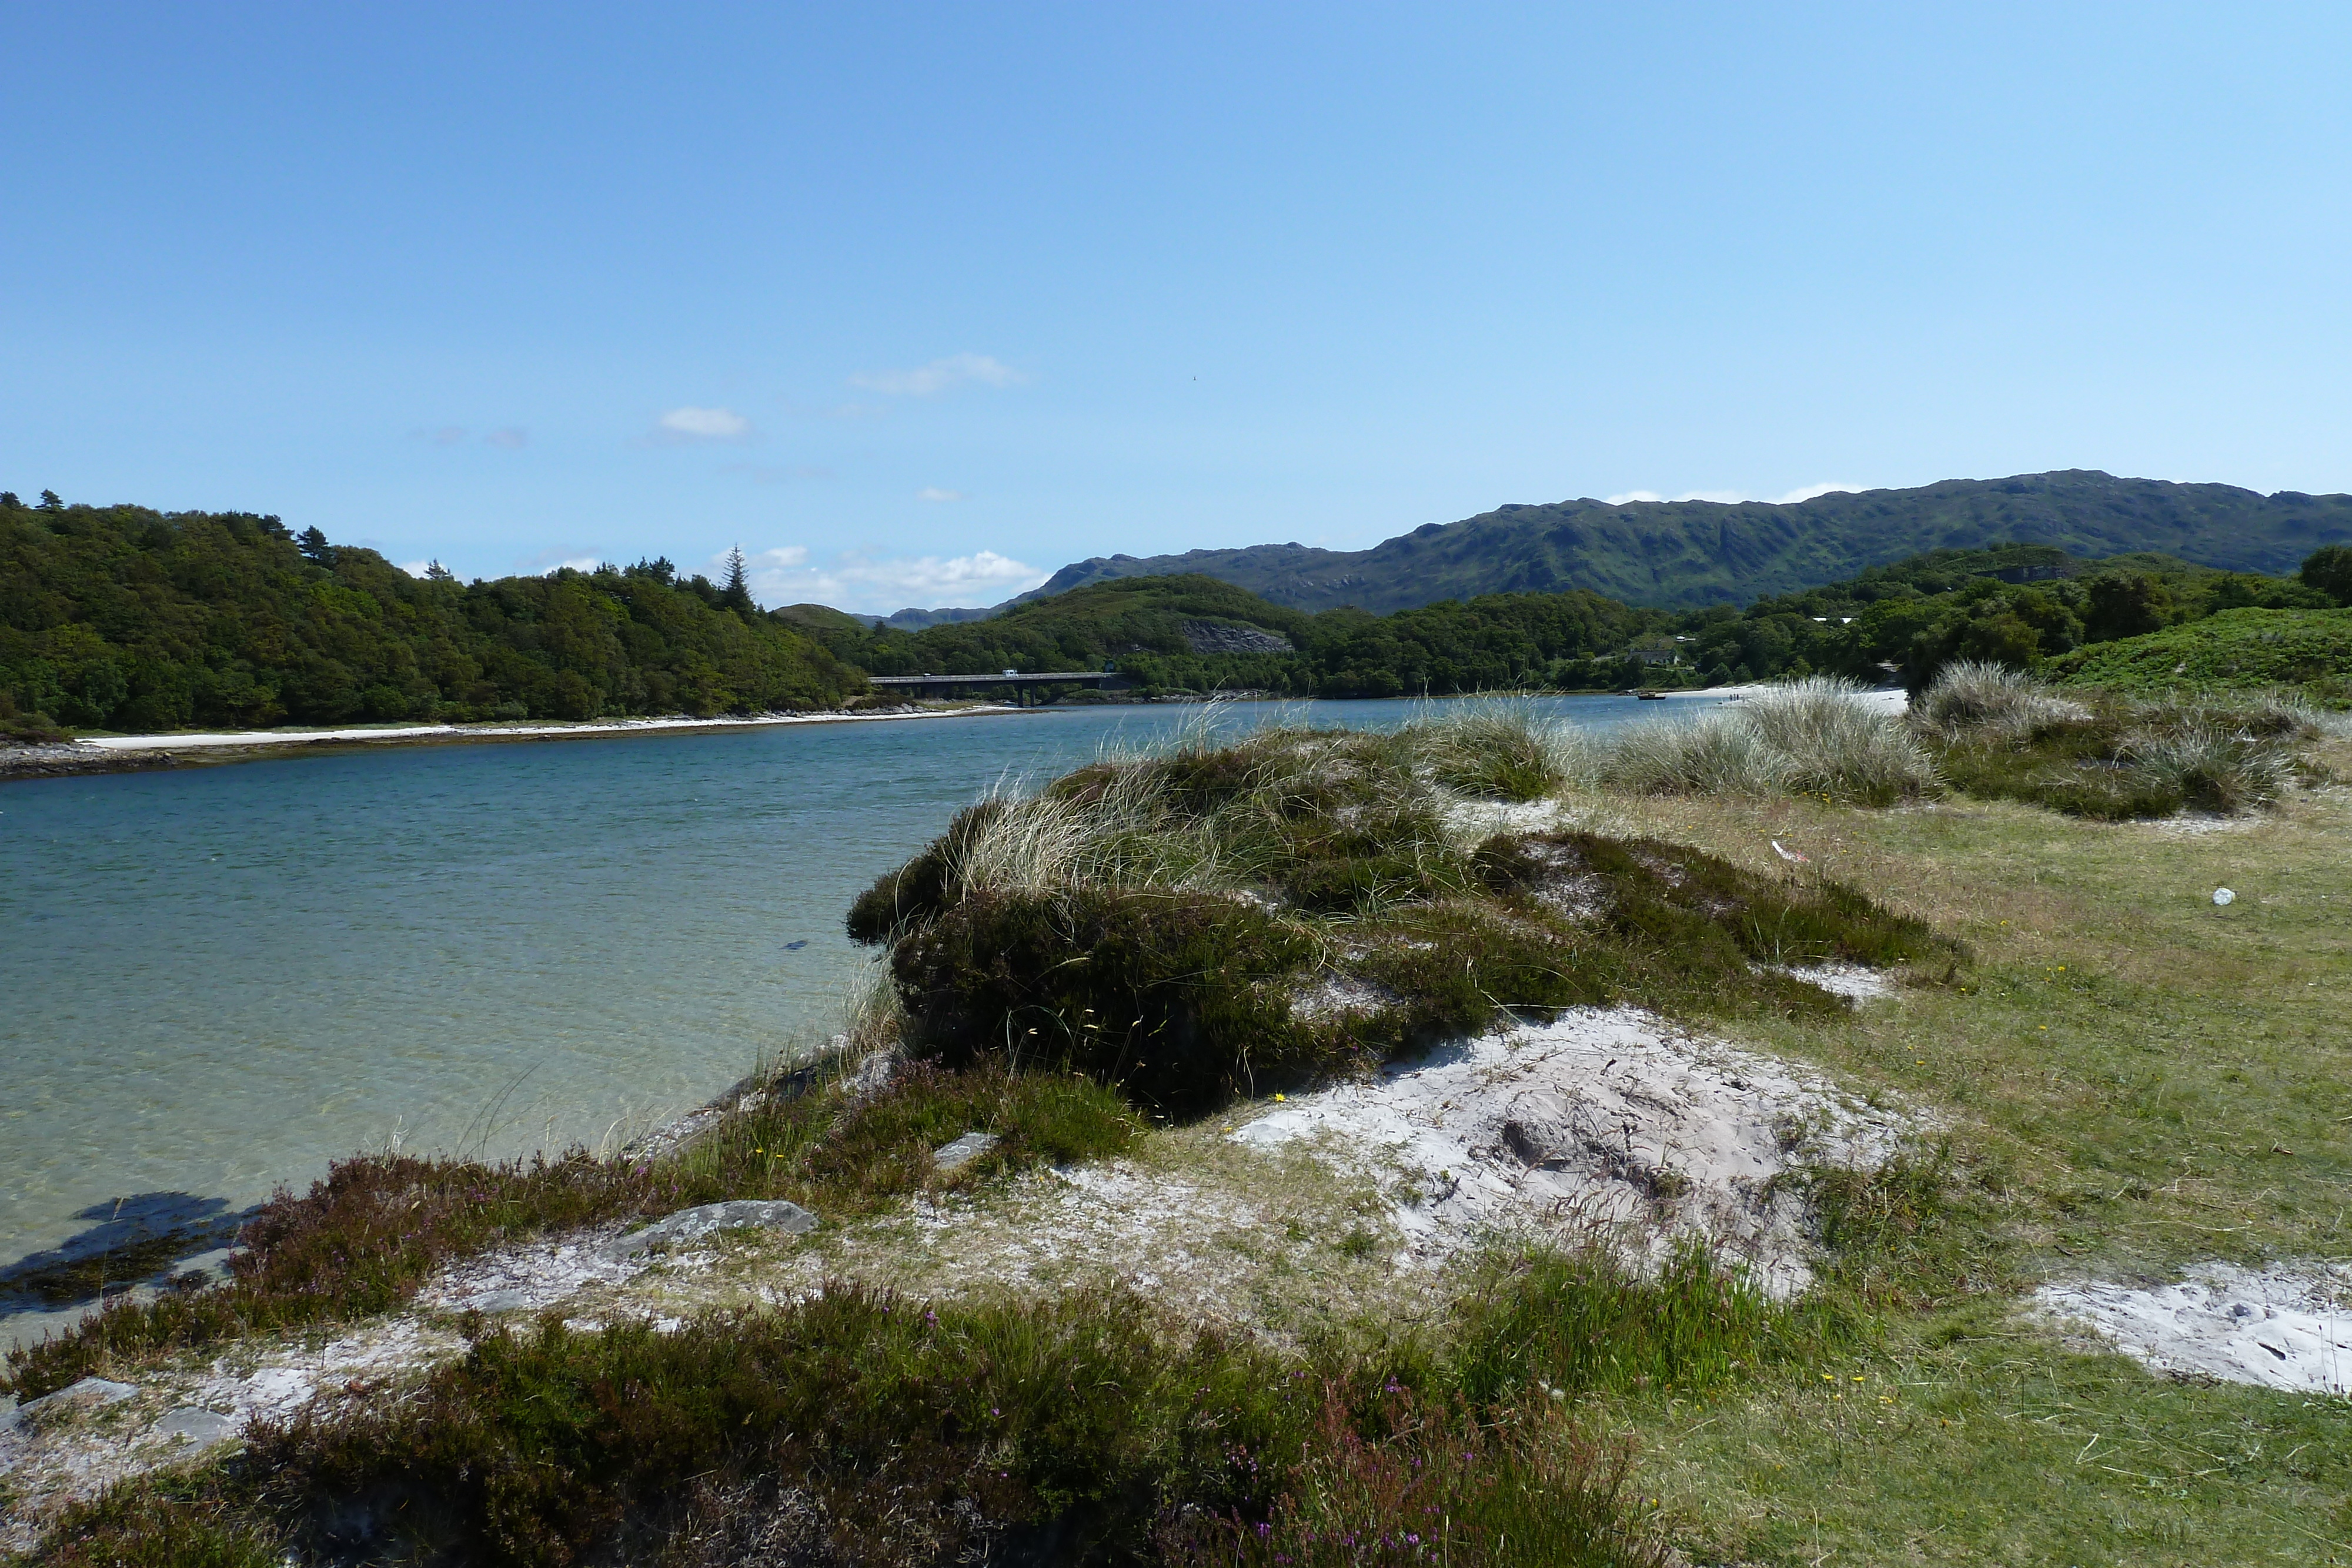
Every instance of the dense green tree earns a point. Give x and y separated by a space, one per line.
2124 604
737 593
121 618
2328 570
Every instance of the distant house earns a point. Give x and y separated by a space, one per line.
1656 649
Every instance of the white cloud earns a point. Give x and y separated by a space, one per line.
925 380
691 423
879 585
415 568
933 493
1732 497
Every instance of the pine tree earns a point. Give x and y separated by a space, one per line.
737 594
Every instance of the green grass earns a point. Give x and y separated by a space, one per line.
2308 650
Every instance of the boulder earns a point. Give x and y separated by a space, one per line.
689 1224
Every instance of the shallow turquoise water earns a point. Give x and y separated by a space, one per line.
213 980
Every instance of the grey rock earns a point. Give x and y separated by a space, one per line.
963 1151
197 1425
90 1393
499 1301
690 1224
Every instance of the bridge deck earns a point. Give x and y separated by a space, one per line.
1042 678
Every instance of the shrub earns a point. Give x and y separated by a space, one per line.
1814 736
2123 758
1988 699
863 1426
1164 996
1492 749
2210 767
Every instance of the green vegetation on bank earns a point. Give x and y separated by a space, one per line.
2022 606
124 619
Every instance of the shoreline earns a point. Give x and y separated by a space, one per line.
139 753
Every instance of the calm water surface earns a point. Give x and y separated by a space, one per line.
212 980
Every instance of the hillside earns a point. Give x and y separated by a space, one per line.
122 618
1683 554
2306 648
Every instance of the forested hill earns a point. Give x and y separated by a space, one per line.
1683 554
122 618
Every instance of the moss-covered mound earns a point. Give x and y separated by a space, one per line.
1228 921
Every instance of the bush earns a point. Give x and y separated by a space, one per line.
1975 697
863 1426
1815 735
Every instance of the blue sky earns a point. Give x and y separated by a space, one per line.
918 303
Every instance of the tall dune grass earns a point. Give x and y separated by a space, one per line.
1817 736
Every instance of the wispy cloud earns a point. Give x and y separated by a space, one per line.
691 423
508 438
1732 497
925 380
877 585
933 493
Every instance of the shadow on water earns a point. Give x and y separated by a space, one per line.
134 1241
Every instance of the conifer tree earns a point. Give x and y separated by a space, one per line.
737 594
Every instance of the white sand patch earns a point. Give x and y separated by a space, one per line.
1602 1118
1891 700
1856 983
2281 1327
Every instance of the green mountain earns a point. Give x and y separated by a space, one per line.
122 618
1683 554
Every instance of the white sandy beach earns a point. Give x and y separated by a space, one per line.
133 743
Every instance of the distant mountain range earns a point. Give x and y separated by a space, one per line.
1683 554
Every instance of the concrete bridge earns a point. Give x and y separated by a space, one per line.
949 686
